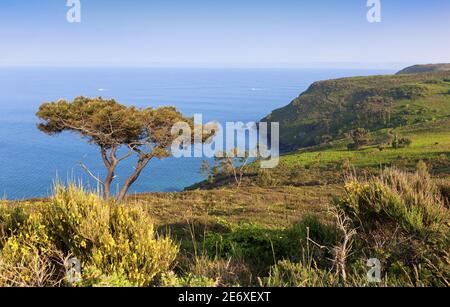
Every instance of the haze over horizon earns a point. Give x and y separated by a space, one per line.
200 33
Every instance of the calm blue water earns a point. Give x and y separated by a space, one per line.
30 160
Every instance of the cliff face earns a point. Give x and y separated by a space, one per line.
428 68
335 107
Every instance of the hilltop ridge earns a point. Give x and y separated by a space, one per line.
424 68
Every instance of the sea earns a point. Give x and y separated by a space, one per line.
31 162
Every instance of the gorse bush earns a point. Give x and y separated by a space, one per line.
114 238
78 221
402 219
131 247
29 258
11 217
115 244
411 201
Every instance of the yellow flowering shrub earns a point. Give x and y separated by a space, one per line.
29 258
94 277
113 238
132 249
77 220
171 280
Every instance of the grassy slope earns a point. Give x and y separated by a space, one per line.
431 143
275 207
335 107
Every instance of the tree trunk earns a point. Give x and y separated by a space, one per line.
107 184
111 165
142 163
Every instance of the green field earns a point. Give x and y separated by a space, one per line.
430 143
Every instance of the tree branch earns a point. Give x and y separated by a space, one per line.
88 171
131 151
105 157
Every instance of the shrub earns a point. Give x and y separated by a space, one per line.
401 218
344 165
114 239
262 247
11 217
401 143
305 237
405 142
94 278
408 92
360 138
225 273
28 257
410 200
422 168
171 280
288 274
266 178
116 244
247 242
78 221
131 247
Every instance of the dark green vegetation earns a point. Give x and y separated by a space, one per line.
376 187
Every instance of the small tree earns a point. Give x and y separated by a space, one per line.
145 133
398 143
234 163
360 138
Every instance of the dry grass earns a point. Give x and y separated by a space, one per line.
274 207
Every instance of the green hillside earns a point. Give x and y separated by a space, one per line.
331 109
427 68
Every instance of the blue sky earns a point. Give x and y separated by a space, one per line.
247 33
